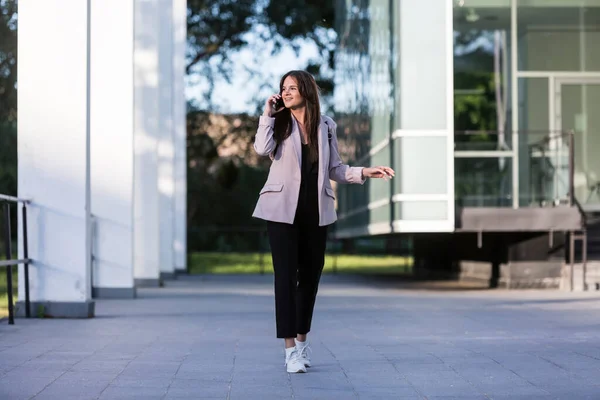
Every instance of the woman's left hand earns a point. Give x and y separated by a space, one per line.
378 172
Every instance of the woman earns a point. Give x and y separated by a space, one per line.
297 202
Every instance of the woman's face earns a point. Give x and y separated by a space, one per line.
291 94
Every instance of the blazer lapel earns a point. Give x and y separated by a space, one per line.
296 140
323 132
323 138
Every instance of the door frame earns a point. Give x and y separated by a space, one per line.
556 84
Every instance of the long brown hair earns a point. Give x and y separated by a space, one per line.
283 120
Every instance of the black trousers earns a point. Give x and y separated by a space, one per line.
298 253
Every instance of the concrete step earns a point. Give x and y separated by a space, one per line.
592 277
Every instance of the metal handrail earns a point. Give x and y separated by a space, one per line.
14 199
14 262
9 262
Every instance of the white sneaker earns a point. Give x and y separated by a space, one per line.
293 362
304 352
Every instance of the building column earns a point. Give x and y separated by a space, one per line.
180 135
53 149
146 238
112 148
166 151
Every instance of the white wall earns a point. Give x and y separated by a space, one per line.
146 205
179 134
53 147
166 151
100 103
112 153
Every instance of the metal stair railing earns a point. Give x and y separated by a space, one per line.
9 262
582 234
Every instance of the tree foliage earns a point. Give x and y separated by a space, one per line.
224 173
8 60
8 97
219 29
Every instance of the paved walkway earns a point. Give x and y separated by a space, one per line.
213 337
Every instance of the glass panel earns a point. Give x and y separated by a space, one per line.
483 182
481 141
380 214
533 105
558 35
378 188
354 221
422 210
363 99
429 155
579 111
482 73
543 168
386 79
352 197
533 128
363 86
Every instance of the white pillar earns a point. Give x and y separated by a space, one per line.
146 239
112 152
166 156
53 151
179 134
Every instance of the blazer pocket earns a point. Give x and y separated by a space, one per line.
272 187
329 192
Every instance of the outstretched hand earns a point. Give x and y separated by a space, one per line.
378 172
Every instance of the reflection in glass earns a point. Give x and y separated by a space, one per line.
483 182
543 154
362 98
543 168
362 79
580 105
481 73
561 36
477 141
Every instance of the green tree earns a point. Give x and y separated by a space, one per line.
8 60
478 181
222 191
8 97
218 29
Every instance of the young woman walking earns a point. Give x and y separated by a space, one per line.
297 201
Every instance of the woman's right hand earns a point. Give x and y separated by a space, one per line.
270 105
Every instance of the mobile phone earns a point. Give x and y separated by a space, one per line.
279 103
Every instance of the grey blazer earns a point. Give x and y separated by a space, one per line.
278 199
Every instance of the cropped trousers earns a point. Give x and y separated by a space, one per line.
298 252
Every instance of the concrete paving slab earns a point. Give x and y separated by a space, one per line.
213 337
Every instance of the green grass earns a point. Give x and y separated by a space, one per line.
3 291
249 263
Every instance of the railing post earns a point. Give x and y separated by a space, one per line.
572 259
26 266
584 259
7 244
571 167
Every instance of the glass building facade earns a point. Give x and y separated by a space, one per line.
469 101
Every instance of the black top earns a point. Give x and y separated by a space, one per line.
308 199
